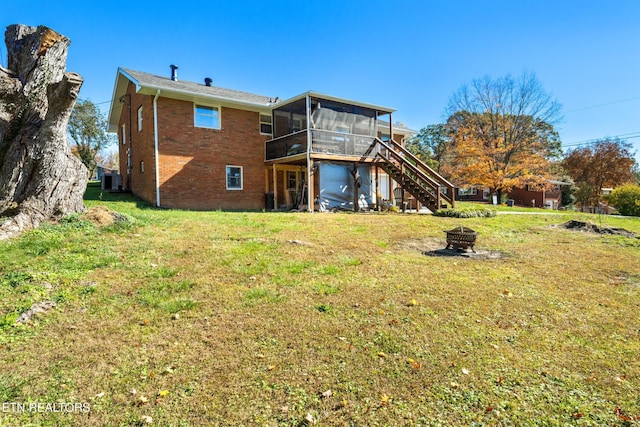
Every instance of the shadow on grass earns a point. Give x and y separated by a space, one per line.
94 193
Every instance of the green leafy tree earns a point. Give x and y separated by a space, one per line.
430 145
567 192
626 199
88 133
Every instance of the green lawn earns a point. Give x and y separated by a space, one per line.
221 318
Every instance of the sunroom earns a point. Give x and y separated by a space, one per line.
329 142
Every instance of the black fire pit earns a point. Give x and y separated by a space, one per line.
461 238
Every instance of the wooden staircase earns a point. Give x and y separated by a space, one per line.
414 176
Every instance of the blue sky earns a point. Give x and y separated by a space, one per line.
408 55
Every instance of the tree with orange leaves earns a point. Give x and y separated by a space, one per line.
606 163
502 133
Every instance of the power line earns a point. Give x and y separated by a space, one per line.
603 105
624 136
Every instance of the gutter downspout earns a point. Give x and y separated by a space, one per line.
155 146
310 202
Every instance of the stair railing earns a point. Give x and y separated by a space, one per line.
432 178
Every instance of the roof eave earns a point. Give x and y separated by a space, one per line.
119 89
378 108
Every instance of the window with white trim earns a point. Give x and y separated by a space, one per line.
206 117
140 118
234 177
265 124
470 191
124 135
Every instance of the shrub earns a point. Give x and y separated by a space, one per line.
626 199
466 213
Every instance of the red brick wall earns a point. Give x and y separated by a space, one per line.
140 144
524 197
193 160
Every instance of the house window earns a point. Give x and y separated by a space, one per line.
467 191
384 137
234 177
140 118
141 166
124 135
207 117
265 124
291 180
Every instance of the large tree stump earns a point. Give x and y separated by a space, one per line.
40 179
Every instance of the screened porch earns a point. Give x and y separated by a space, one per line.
317 126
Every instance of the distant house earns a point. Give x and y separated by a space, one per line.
197 146
539 197
472 194
109 178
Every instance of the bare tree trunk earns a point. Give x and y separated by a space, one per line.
40 179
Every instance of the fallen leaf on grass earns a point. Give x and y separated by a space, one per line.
465 371
381 354
146 419
621 415
413 363
384 399
142 400
99 395
271 367
327 394
163 393
577 415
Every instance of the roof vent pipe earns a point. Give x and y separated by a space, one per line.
174 72
207 81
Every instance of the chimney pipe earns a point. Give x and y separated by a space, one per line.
208 81
174 72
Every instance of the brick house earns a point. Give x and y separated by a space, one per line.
197 146
548 196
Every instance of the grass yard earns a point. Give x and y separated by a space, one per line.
180 318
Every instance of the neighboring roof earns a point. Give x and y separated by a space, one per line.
150 84
397 127
554 182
